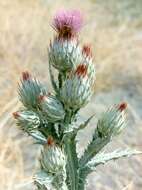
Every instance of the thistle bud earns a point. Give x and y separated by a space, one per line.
65 55
113 121
52 108
27 120
77 90
52 157
29 91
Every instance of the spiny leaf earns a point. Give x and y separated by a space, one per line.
72 129
83 125
102 158
92 149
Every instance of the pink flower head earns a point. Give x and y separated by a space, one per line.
67 23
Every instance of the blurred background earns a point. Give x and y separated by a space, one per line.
114 28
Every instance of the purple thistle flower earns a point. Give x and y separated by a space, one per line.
67 23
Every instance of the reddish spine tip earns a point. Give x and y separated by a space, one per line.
50 141
87 51
26 76
41 98
15 115
122 106
81 70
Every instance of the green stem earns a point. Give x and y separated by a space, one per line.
60 79
83 173
71 165
72 160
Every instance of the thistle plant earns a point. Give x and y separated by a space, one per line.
52 119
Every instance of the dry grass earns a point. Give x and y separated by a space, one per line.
113 29
11 162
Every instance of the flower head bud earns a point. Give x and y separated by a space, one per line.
29 91
65 55
52 157
113 121
67 23
52 108
27 120
77 89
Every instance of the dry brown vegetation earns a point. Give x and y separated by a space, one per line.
114 28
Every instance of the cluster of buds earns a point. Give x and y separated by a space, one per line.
67 56
51 119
